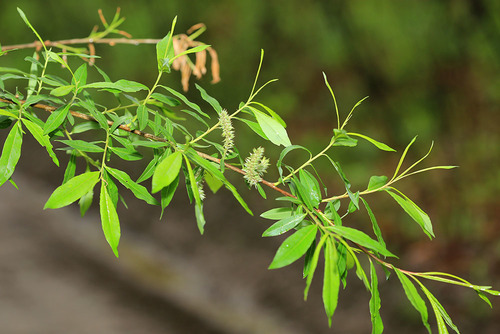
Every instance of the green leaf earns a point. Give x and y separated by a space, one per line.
11 153
142 116
272 128
287 150
186 101
109 219
88 104
85 202
55 119
331 280
84 127
42 139
377 324
62 90
213 102
440 312
414 298
33 78
198 48
83 146
139 191
72 190
80 76
311 187
167 194
254 126
376 228
307 259
284 225
25 19
213 183
341 138
272 113
277 213
69 172
126 154
149 170
126 86
166 171
169 101
377 182
360 238
7 113
200 219
313 264
414 212
294 247
378 144
403 157
147 143
165 52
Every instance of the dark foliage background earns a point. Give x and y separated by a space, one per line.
430 68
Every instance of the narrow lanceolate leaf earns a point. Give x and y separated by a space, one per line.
166 171
126 86
378 144
360 238
198 48
277 213
440 313
70 170
414 298
313 264
272 128
198 205
165 52
403 157
284 225
42 139
139 191
294 247
109 219
85 202
376 228
377 324
142 116
414 212
72 190
55 119
83 146
331 280
11 153
311 184
62 90
80 77
213 102
167 194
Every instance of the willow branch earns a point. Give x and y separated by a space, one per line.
87 40
154 138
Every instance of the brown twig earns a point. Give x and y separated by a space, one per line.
87 40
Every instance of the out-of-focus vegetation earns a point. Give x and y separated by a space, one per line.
430 68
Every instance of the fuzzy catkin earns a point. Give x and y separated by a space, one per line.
255 165
227 130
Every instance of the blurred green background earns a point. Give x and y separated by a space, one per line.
430 69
